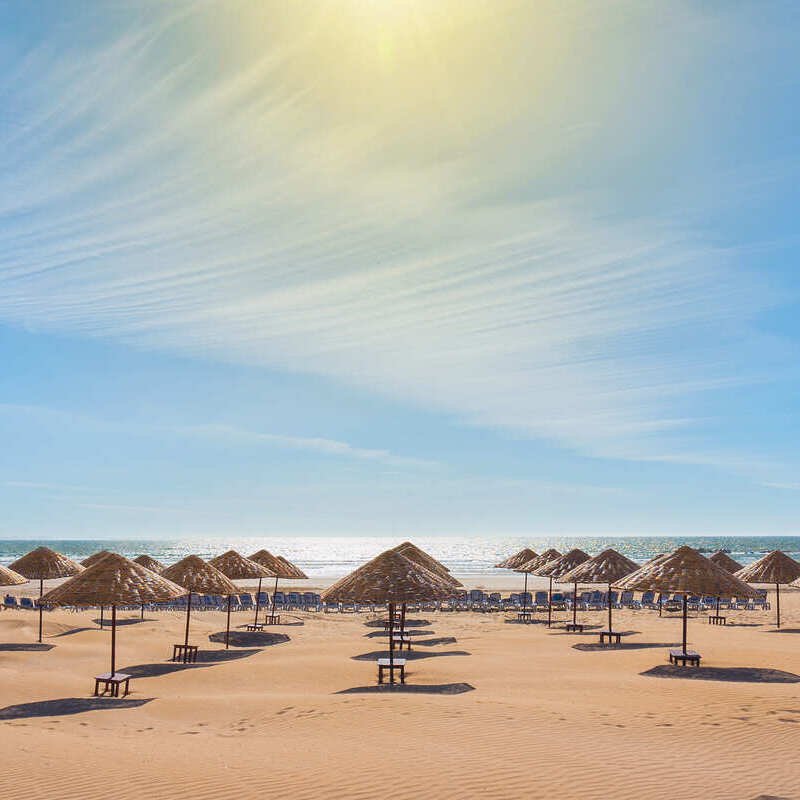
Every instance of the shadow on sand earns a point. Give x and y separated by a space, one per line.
22 647
71 631
249 639
385 634
67 705
783 630
408 688
594 647
588 630
205 658
408 656
410 623
120 622
728 674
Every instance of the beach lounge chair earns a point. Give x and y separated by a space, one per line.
648 600
11 601
27 603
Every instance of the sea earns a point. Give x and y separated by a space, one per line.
334 556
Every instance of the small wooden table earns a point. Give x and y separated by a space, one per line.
385 665
716 619
689 657
613 636
524 616
255 626
187 653
398 640
272 619
574 627
111 683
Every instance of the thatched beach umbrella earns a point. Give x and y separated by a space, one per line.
418 555
518 559
113 581
297 573
560 566
238 568
94 558
279 567
10 578
606 567
534 566
775 567
195 575
390 578
44 564
685 571
151 563
722 559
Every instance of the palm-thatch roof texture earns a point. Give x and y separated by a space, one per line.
44 564
237 567
151 563
535 564
10 578
297 573
722 559
196 575
415 553
685 571
266 559
774 567
94 558
518 559
563 564
605 567
390 578
113 580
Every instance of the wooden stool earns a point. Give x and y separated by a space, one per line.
272 619
187 653
398 641
259 626
385 665
524 616
715 619
612 636
111 683
574 627
689 657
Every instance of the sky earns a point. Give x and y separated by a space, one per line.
395 267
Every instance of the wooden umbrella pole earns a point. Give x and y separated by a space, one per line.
402 618
274 591
188 610
684 624
113 638
258 596
525 594
391 648
718 605
101 617
777 604
550 603
41 592
609 609
575 603
228 625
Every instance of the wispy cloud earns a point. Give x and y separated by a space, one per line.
253 214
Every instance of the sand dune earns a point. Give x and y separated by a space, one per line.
504 711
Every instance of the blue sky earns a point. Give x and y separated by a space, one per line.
398 267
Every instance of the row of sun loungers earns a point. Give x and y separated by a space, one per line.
475 600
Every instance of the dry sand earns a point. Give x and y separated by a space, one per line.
549 715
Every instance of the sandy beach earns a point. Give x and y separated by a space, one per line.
510 711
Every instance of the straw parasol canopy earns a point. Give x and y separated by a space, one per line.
685 571
414 553
238 568
606 567
722 559
563 564
196 575
45 564
10 578
535 564
94 558
518 559
266 559
775 567
150 563
113 580
390 578
297 573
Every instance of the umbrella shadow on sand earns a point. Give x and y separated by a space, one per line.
250 639
596 647
24 647
71 631
727 674
407 688
385 634
588 630
783 630
121 622
408 656
205 658
410 623
67 705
